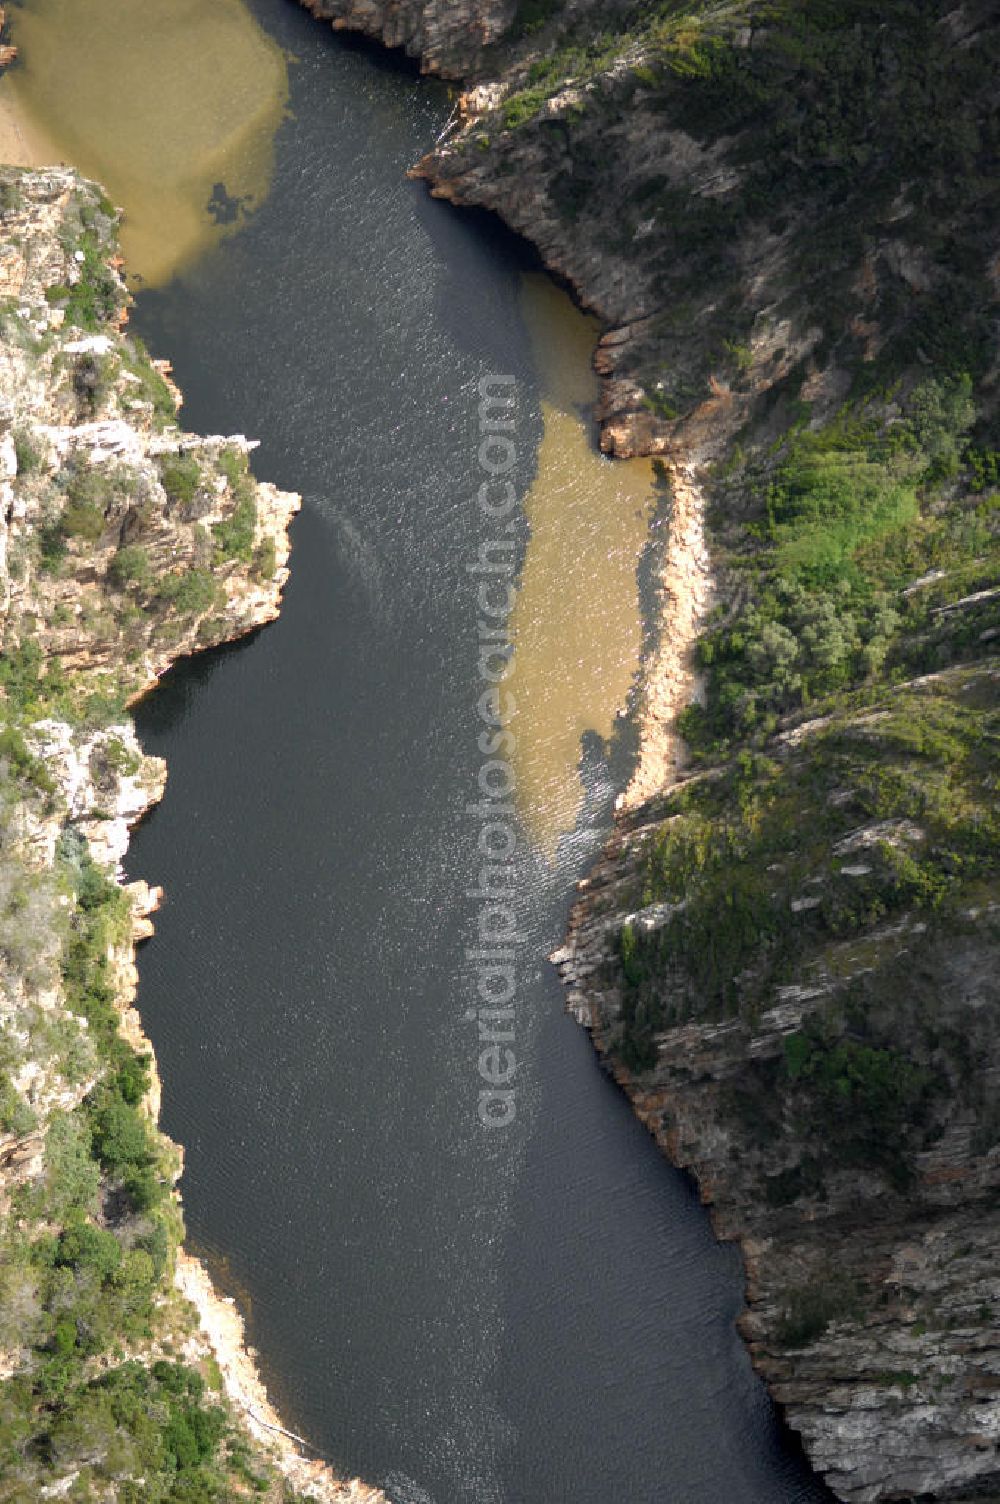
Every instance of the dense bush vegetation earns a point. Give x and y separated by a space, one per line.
83 1256
811 1308
738 850
181 477
234 538
130 566
93 1404
94 299
856 136
850 741
850 516
190 591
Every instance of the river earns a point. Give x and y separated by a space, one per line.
515 1315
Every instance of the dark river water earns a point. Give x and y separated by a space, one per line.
526 1315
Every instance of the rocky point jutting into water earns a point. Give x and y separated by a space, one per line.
787 218
125 543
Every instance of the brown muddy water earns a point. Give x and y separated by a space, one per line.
576 624
159 103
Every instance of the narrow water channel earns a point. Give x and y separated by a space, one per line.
523 1316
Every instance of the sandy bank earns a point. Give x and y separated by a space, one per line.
22 143
670 678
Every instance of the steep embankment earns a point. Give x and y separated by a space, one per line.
787 216
124 544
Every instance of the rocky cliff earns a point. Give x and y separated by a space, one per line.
125 543
787 218
449 37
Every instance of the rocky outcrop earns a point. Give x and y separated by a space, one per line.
125 543
449 37
905 1402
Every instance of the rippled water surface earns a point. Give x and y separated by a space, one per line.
532 1315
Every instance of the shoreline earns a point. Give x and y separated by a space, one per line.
22 142
668 682
221 1324
221 1329
669 678
98 783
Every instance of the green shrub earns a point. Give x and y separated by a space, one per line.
84 1246
628 948
523 106
71 1174
531 15
861 1100
119 757
51 545
94 377
181 477
101 708
95 299
153 388
28 451
265 560
120 1136
127 1423
23 763
21 675
15 1114
940 412
130 566
11 197
823 507
659 403
846 525
811 1308
191 592
233 464
82 520
234 537
984 465
92 492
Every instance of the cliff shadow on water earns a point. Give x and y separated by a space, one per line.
532 1314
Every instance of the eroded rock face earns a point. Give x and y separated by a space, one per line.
449 37
120 533
693 233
